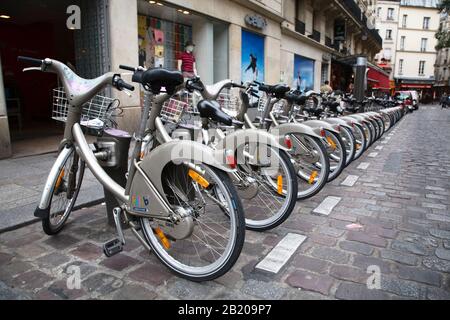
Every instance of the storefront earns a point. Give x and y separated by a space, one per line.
377 81
341 75
422 86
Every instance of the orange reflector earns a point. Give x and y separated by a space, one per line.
165 242
358 146
280 184
198 178
142 155
312 177
331 142
288 142
60 178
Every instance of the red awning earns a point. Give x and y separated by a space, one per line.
377 79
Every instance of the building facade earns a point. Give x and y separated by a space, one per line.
408 28
387 17
442 65
298 42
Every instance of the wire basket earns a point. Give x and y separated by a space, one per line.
229 103
97 113
173 109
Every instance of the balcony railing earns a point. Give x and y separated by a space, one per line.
359 16
328 42
315 36
300 26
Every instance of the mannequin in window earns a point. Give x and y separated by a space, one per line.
186 61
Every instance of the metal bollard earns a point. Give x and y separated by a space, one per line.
117 143
360 81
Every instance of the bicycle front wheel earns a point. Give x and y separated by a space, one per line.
214 235
64 193
267 187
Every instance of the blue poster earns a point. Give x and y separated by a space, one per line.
303 74
252 60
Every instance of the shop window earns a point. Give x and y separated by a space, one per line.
252 57
161 41
303 73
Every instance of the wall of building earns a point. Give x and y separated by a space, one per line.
413 33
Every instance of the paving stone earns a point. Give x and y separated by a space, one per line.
87 251
7 293
188 290
443 253
31 280
102 283
61 241
311 264
5 258
310 281
119 262
434 206
134 292
347 273
443 234
366 238
356 247
419 275
52 259
31 251
332 232
152 274
400 257
354 291
438 294
409 247
436 264
438 217
330 254
263 290
61 290
403 288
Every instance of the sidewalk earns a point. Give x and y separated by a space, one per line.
21 183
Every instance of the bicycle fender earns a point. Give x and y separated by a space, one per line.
142 198
43 209
237 138
288 128
319 124
339 121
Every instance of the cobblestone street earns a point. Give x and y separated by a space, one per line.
394 217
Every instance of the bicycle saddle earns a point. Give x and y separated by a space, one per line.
278 90
159 77
211 110
295 98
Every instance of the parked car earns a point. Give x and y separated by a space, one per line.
414 96
406 98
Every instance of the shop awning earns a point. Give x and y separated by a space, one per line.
377 79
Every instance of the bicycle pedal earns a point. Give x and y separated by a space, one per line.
112 247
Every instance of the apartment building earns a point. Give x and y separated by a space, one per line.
298 42
387 19
416 53
442 65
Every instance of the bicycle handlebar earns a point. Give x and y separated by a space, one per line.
123 67
30 61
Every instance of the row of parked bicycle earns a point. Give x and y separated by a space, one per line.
203 168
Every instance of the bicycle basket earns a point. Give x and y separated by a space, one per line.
97 113
229 103
173 109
